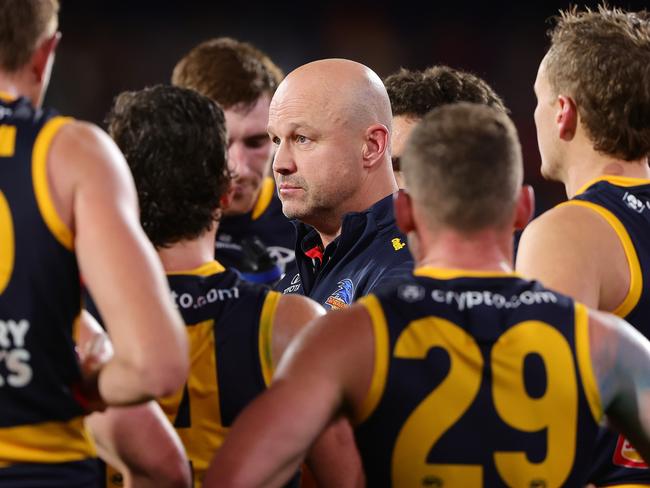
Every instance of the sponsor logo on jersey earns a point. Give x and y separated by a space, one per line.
626 456
342 297
633 202
410 293
295 285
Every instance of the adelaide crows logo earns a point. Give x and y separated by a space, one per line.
342 297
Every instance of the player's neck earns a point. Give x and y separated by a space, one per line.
485 250
588 165
13 85
187 255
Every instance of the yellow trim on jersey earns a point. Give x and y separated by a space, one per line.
380 369
7 97
583 355
624 181
47 442
264 198
265 339
40 181
636 278
451 274
7 141
206 269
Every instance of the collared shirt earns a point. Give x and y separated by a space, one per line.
369 252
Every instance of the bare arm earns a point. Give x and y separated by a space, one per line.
138 440
558 249
620 358
316 379
333 460
119 266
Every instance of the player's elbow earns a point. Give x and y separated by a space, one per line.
166 377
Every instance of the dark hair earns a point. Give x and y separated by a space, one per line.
602 60
414 93
174 141
463 164
228 71
23 23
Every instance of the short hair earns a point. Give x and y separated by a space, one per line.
602 60
230 72
174 141
23 23
463 165
414 93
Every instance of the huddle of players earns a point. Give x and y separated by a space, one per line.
461 362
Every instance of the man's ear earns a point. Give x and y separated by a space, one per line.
525 207
567 117
375 145
42 55
403 211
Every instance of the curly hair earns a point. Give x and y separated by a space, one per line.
230 72
602 60
23 23
174 141
415 93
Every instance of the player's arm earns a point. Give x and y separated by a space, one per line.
119 266
620 357
138 440
557 249
333 459
316 379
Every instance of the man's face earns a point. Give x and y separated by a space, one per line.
249 153
402 127
545 113
317 164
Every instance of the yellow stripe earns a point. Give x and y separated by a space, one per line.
206 269
41 186
47 442
583 353
265 339
624 181
636 278
450 274
7 141
380 370
264 198
7 97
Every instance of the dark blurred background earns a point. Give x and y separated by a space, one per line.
111 46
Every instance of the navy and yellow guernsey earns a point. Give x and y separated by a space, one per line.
624 203
229 322
41 422
480 379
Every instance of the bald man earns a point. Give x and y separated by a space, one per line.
330 121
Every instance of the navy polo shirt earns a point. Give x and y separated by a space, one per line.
369 252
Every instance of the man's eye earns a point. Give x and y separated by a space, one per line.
301 139
275 140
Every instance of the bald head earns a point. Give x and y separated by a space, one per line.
330 121
347 91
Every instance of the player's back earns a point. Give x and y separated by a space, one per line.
229 323
41 420
480 380
625 204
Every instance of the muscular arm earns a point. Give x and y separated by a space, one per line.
138 440
316 379
333 459
560 250
119 266
620 358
